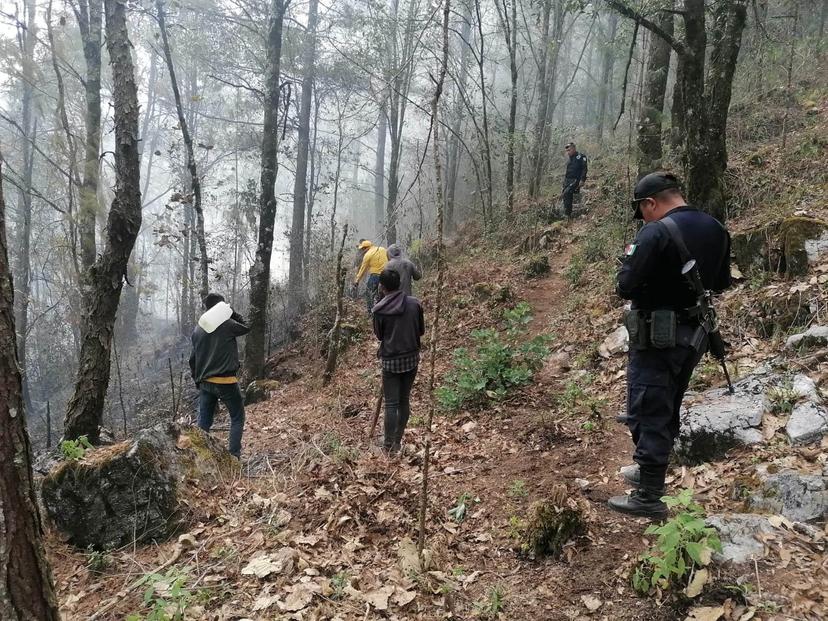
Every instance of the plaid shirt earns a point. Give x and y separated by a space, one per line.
401 365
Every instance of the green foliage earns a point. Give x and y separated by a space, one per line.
494 603
97 562
166 596
459 511
782 398
517 489
337 450
576 400
338 583
575 270
516 527
498 362
683 544
75 449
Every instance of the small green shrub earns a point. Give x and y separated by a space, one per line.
498 362
494 603
75 449
97 562
684 544
338 583
459 511
782 398
517 489
166 596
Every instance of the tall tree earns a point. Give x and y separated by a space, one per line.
605 83
543 90
379 165
255 345
195 183
27 38
507 13
106 276
705 92
88 14
26 589
650 152
457 115
300 186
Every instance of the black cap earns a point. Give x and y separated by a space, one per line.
569 144
650 185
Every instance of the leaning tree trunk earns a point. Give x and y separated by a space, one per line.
89 23
333 341
650 152
296 292
105 278
26 589
255 342
195 182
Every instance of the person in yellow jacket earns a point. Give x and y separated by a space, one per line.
373 262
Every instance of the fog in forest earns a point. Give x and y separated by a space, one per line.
338 94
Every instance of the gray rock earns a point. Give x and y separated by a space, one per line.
617 342
799 497
719 421
816 249
737 533
805 388
808 422
130 491
815 336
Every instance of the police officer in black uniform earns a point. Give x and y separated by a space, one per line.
576 173
666 341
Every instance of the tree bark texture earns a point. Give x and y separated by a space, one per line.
296 291
543 91
26 588
508 23
607 63
650 152
457 117
195 182
255 342
28 38
379 167
89 14
106 276
339 287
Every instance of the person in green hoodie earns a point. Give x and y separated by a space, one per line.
398 324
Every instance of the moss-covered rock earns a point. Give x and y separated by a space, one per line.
780 246
536 266
551 523
259 390
116 494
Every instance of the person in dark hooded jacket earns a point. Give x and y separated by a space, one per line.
407 270
398 324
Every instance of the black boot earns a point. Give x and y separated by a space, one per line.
646 500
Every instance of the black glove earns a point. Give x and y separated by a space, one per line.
237 318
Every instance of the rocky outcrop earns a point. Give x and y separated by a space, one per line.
718 421
617 342
797 496
786 246
808 422
737 532
815 336
131 491
259 390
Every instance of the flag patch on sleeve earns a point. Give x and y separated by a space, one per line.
630 249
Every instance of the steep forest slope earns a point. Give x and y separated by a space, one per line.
312 483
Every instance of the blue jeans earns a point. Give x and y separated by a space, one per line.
371 290
230 395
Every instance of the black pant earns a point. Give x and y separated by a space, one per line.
396 388
656 382
570 187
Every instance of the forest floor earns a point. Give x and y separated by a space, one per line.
312 481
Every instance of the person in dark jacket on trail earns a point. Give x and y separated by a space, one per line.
214 364
407 270
574 177
398 324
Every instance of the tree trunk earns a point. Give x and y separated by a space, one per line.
28 38
650 153
255 342
333 342
26 589
607 64
89 15
487 152
195 182
542 148
509 25
543 90
296 292
379 167
313 175
106 276
453 155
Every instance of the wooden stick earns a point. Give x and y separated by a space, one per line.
377 409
